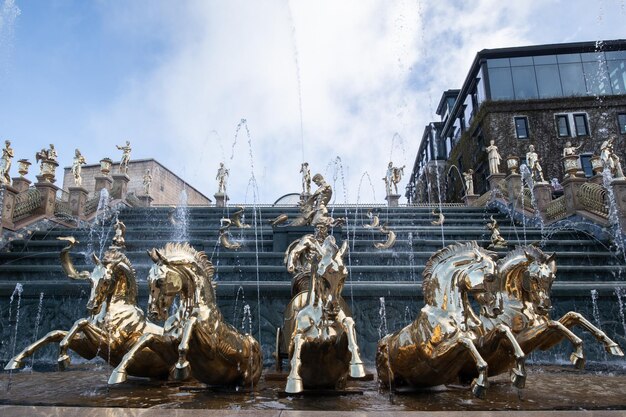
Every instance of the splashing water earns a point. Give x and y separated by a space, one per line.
382 313
296 61
17 291
619 292
181 216
596 311
37 321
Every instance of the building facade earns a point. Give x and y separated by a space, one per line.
542 95
165 189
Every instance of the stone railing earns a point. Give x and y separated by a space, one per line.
483 200
556 210
593 198
62 209
133 200
91 205
527 197
26 203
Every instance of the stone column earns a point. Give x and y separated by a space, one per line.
221 199
392 200
146 200
48 193
120 186
494 180
571 186
514 187
619 192
21 184
78 198
543 197
8 206
103 181
470 199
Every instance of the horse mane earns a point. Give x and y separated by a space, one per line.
429 284
116 257
513 258
174 251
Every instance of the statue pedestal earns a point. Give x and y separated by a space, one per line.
221 199
48 193
392 200
78 198
103 182
513 186
8 205
21 184
571 186
494 180
120 186
619 192
543 197
597 179
146 200
470 199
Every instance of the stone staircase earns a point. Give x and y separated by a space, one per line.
256 275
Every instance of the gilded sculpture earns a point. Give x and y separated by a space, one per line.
497 241
569 149
392 177
306 179
114 324
440 218
609 158
532 159
119 235
77 167
448 336
222 178
318 326
5 163
391 238
224 236
374 220
126 150
196 340
48 162
236 219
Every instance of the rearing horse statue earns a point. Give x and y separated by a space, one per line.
115 322
524 283
196 340
318 326
435 348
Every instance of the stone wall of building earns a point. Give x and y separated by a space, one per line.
165 189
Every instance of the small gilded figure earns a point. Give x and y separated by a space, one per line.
77 168
609 159
392 178
306 178
147 182
126 149
569 149
5 163
119 241
497 241
222 177
494 158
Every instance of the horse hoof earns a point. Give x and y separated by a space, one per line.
117 377
479 390
294 386
615 350
13 365
64 362
182 372
518 379
578 360
357 370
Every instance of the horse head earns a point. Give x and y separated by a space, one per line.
537 280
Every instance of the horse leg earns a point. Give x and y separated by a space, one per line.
182 370
481 383
572 318
518 374
119 373
18 361
64 359
553 333
357 370
294 381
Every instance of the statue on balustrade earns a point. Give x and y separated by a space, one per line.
306 178
77 167
5 163
494 158
126 149
147 182
610 159
392 178
569 149
532 159
468 177
222 177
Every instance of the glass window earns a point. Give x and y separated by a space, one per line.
615 55
592 56
617 74
572 79
498 63
597 78
621 121
568 58
524 82
545 59
521 127
501 84
562 125
522 61
585 162
580 121
548 81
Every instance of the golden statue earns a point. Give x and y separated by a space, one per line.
119 235
196 340
440 218
236 219
318 330
224 237
523 285
375 221
306 178
497 241
115 322
609 158
222 178
392 177
126 149
77 167
391 238
448 335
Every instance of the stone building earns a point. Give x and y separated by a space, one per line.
542 95
165 189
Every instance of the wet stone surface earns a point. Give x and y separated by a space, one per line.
549 387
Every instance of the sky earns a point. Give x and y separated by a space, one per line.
260 85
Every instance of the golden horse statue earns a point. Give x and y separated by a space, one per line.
196 340
523 285
448 335
115 322
318 328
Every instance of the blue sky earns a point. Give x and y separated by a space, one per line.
177 77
